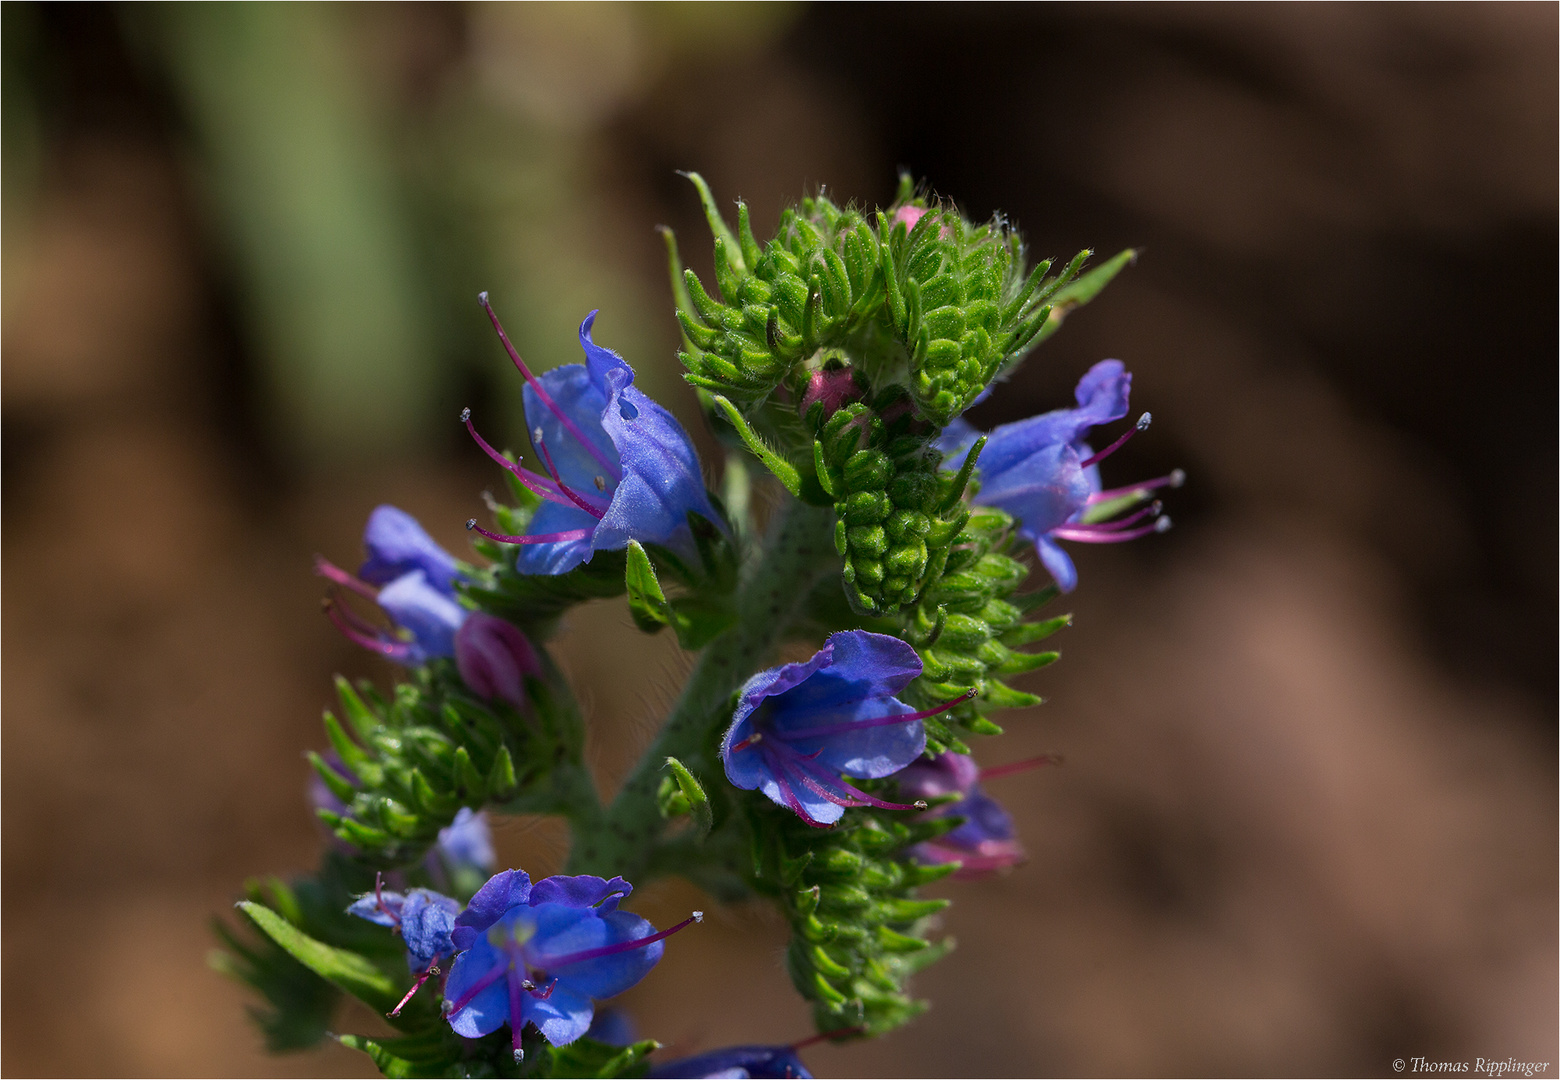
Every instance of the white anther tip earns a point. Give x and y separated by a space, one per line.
465 414
1144 421
920 804
1162 525
537 435
519 1055
1177 477
482 297
698 916
471 523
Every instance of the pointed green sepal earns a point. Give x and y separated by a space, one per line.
647 602
698 802
784 471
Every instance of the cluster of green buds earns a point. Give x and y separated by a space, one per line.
858 930
968 629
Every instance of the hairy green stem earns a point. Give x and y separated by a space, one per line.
796 553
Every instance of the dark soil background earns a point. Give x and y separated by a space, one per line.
1307 821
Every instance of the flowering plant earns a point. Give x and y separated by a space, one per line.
839 357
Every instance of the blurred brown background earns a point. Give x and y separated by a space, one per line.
1307 823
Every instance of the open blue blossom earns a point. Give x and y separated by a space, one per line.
1042 472
798 726
735 1062
619 466
422 917
412 579
986 841
540 954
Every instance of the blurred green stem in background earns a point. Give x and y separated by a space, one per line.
297 172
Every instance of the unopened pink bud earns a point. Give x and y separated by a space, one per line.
909 215
835 389
494 657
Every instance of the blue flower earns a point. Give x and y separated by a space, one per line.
422 917
1042 472
986 841
736 1062
412 579
798 725
620 467
540 954
397 545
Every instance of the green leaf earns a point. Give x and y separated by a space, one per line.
784 471
345 970
646 600
698 801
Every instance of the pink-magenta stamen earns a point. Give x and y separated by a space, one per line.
379 894
536 483
1122 523
837 1033
393 649
751 740
356 621
794 804
881 721
572 495
487 980
516 1012
433 969
1141 425
538 538
807 770
552 962
331 572
545 992
1175 479
1019 766
541 392
1094 535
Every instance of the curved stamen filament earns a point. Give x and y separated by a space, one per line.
859 725
394 650
1155 510
541 391
540 485
1019 766
1141 425
539 538
331 572
837 1033
573 496
806 771
1093 534
551 962
1175 479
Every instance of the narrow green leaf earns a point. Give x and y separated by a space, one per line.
1028 633
344 969
784 471
339 785
358 714
1077 293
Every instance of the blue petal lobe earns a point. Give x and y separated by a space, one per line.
431 616
581 891
501 892
561 1017
397 545
489 1010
